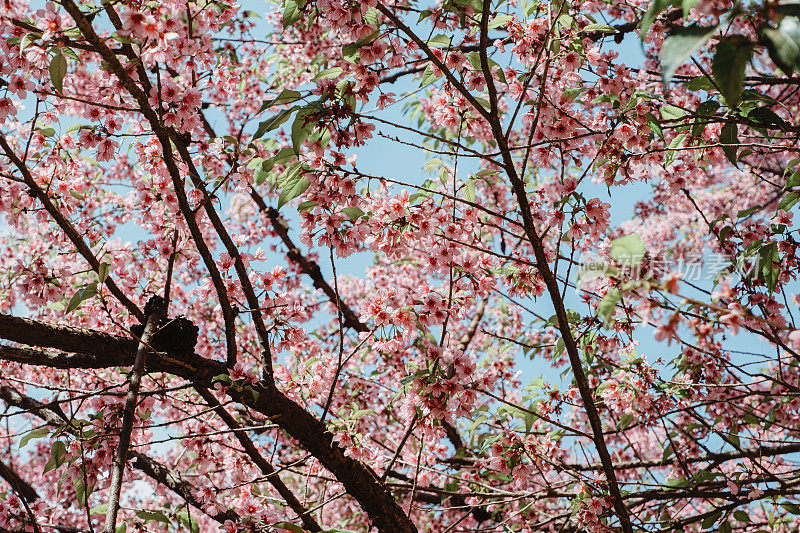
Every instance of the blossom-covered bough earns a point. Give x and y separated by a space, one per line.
191 340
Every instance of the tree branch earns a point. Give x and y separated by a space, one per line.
156 310
266 468
150 467
67 227
360 481
17 483
536 242
164 139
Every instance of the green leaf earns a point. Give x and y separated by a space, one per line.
788 201
283 156
301 128
440 40
530 418
260 176
670 112
680 45
474 59
559 348
102 272
485 172
100 509
700 83
783 44
602 28
361 413
349 50
728 65
329 73
273 122
667 453
354 213
707 108
307 206
681 482
674 144
255 162
28 39
724 233
793 180
429 76
656 7
769 261
628 250
477 422
291 13
287 96
749 211
624 421
741 516
57 452
767 117
371 17
293 184
77 127
729 138
469 191
655 127
58 69
607 306
35 434
254 392
188 520
791 507
686 5
156 515
500 20
81 296
81 491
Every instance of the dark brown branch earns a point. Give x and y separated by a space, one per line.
109 348
167 136
359 480
263 465
623 29
68 229
17 483
307 266
536 242
156 310
164 139
150 467
59 360
718 457
55 527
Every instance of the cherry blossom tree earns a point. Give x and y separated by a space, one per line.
189 343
